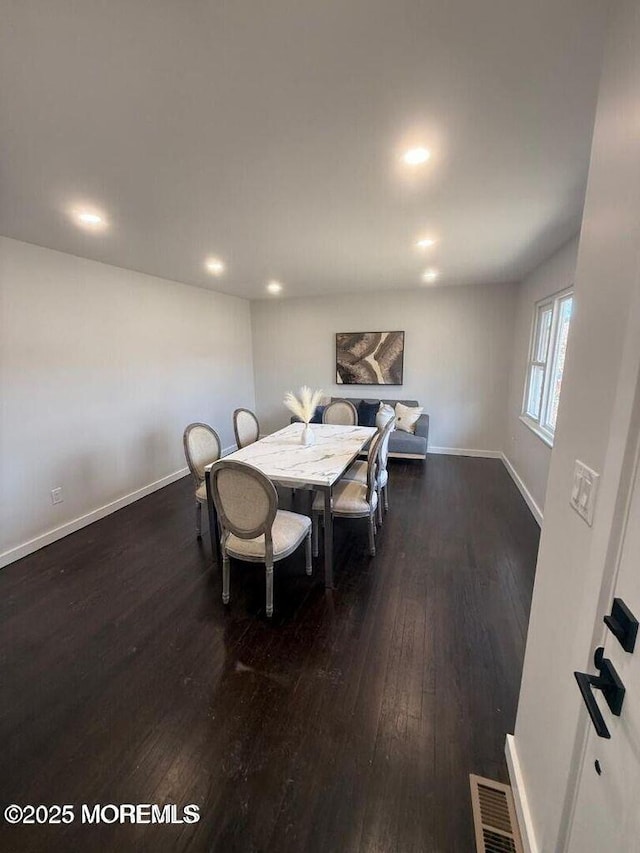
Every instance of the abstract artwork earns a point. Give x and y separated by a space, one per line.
369 358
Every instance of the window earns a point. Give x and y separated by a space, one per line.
546 363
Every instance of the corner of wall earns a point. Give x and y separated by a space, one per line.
519 791
524 491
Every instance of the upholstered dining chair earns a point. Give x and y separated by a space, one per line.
340 412
252 528
358 470
201 447
352 499
245 427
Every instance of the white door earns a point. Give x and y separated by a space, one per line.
607 812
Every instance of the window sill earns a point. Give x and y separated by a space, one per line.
537 430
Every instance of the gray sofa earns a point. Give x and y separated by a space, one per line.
402 445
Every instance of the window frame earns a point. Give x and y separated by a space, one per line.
540 425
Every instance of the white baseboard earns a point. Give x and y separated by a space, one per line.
50 536
520 796
496 454
464 451
524 491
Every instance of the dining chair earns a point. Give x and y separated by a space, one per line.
245 427
252 528
201 447
358 470
352 499
340 412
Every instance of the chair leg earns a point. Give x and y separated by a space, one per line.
225 578
372 535
379 507
269 590
315 524
199 519
386 497
307 548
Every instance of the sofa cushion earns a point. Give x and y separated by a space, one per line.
367 411
405 442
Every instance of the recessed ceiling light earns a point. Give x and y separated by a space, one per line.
430 275
416 156
89 219
274 287
425 243
215 266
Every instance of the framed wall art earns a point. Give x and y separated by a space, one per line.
369 358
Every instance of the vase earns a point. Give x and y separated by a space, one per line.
307 438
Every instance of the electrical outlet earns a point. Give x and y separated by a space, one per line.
56 495
583 491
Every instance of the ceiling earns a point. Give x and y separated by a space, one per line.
270 134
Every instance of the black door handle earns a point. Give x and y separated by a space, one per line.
612 689
622 624
584 683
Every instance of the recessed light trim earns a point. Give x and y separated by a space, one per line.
274 287
89 219
430 275
416 156
215 266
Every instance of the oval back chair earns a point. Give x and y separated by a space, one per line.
359 470
202 447
383 474
340 412
252 527
245 427
353 498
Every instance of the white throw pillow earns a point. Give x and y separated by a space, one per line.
406 417
384 415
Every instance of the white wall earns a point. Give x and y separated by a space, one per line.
527 452
601 371
102 368
457 349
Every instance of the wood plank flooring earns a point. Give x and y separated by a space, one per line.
348 723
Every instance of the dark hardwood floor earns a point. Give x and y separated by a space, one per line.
348 723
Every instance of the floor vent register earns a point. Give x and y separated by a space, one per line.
494 817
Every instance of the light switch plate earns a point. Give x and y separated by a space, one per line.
583 491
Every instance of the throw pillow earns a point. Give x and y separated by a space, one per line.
317 415
385 414
367 411
406 417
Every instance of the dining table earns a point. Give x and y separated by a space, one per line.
287 462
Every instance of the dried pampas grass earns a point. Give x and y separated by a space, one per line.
304 405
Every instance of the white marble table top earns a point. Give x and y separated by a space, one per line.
284 459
